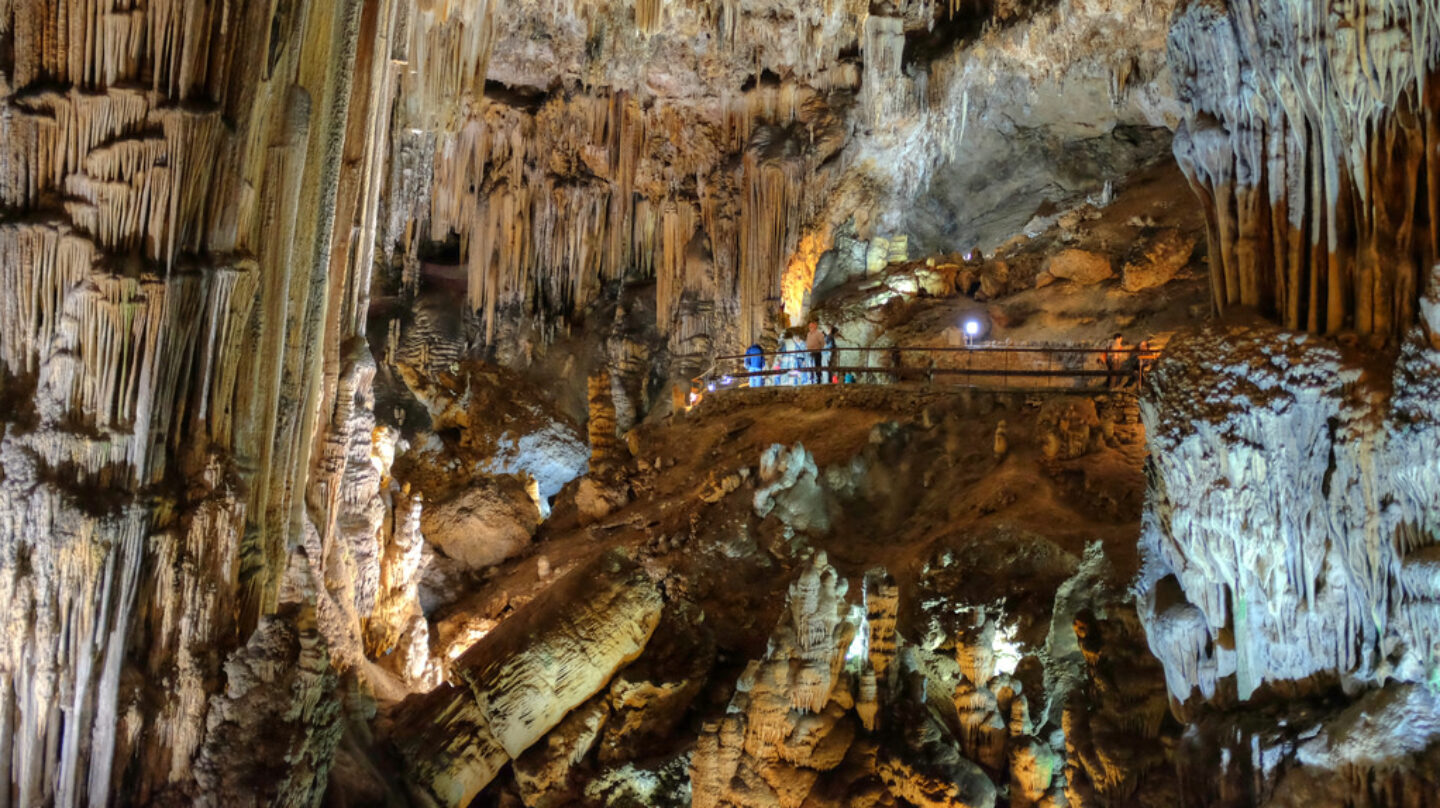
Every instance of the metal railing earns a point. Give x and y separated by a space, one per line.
986 365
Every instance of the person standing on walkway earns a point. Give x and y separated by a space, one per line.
1114 357
754 363
1145 356
794 359
830 357
815 344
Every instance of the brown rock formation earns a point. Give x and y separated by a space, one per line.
787 722
522 679
1163 259
1080 267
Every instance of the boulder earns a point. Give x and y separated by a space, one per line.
484 524
596 499
1164 257
1080 266
994 279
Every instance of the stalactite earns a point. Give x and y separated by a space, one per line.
449 51
883 87
518 682
1309 141
552 205
142 260
649 15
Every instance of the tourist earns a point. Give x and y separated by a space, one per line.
815 344
754 364
829 357
1145 356
1114 356
794 359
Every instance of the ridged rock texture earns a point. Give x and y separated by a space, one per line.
1310 137
522 679
187 192
1291 533
1290 551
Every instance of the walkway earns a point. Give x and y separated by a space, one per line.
985 366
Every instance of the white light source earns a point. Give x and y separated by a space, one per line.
711 387
859 644
972 328
1008 652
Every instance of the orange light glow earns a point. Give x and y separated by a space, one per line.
799 277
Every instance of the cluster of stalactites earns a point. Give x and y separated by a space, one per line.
165 287
551 206
552 203
173 48
1310 140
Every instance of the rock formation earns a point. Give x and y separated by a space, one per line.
185 189
1316 467
522 679
1309 138
788 721
344 454
1287 541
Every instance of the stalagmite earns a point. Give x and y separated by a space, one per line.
787 721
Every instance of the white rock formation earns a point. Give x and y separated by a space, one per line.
790 489
1292 516
1307 137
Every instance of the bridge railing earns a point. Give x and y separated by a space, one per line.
982 365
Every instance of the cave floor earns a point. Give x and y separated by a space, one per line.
926 492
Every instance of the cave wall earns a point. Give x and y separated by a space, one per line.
1037 115
1289 536
183 189
1309 136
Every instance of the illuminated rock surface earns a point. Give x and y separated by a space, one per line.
347 349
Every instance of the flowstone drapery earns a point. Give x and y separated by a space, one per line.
1291 530
181 186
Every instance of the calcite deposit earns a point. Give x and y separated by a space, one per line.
183 185
369 434
1287 544
1309 138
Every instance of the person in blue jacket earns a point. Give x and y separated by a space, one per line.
754 363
